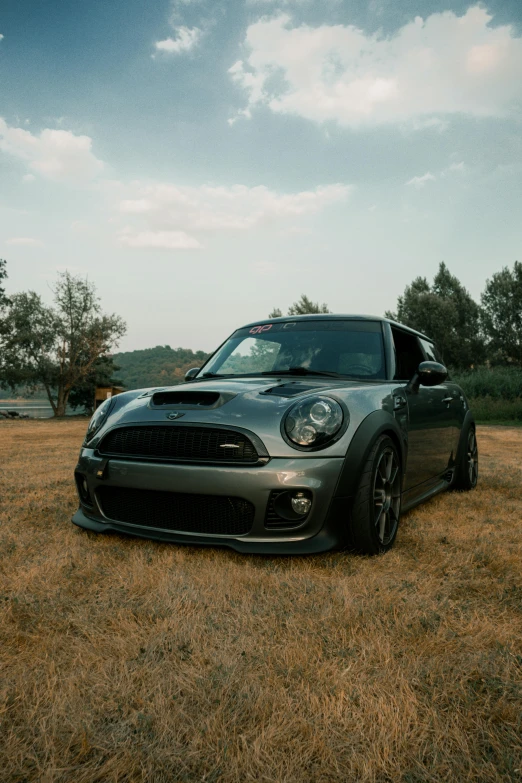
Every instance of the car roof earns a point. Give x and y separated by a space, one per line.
338 316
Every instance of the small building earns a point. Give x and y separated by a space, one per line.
103 393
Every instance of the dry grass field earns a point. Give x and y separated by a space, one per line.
124 660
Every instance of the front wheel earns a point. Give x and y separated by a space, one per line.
466 471
377 504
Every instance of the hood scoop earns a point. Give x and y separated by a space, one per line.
288 389
190 399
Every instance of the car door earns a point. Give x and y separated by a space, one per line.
429 445
452 402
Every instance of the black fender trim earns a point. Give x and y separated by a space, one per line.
372 426
469 420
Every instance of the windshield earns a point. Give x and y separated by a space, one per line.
348 348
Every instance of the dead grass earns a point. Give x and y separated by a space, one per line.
125 660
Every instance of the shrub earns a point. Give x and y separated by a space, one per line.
490 409
496 383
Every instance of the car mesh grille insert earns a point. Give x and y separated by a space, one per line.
180 443
211 514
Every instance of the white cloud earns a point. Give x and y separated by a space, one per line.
419 182
186 39
80 226
27 241
1 37
28 178
443 65
54 154
164 240
165 207
454 168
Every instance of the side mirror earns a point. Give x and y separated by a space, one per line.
427 374
431 373
191 374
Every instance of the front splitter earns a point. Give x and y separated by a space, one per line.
323 541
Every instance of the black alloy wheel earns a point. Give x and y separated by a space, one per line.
387 495
377 505
472 458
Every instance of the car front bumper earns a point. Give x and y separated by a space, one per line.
319 532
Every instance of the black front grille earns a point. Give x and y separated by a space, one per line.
179 442
211 514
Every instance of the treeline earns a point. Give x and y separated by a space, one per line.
159 366
67 349
480 342
468 333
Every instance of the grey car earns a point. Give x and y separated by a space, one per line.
298 435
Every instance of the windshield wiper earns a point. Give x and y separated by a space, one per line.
301 371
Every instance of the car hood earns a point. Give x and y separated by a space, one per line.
255 404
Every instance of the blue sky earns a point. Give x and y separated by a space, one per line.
203 162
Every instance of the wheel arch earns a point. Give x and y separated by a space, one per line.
469 421
372 427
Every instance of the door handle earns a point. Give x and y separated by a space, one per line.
448 399
398 402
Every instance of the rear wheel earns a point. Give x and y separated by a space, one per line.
377 504
466 471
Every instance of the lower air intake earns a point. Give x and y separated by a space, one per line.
211 514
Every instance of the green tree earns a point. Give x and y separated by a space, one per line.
447 313
302 307
305 306
502 313
55 347
3 274
101 374
159 366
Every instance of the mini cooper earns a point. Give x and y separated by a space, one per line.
298 435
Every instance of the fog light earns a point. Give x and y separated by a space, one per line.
83 489
301 504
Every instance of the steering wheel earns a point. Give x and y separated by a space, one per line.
357 369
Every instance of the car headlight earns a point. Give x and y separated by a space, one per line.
313 423
98 419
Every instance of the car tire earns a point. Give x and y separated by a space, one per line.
466 470
375 513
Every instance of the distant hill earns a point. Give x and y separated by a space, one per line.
159 366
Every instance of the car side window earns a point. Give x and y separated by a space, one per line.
408 354
431 352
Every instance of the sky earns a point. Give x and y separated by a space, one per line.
203 162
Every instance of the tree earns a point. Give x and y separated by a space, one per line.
56 347
3 274
302 307
502 313
305 305
159 366
101 374
447 313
